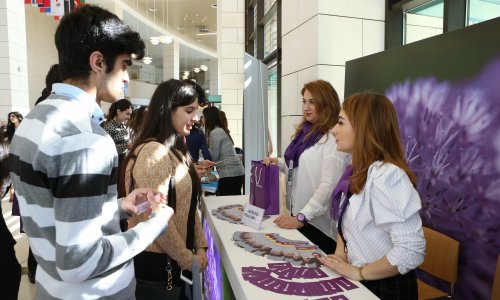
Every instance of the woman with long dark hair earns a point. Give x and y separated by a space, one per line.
380 240
14 120
221 147
159 159
313 166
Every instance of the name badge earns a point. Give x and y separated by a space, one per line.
290 172
252 216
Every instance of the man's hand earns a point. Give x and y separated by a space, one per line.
137 196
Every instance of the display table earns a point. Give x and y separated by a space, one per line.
234 258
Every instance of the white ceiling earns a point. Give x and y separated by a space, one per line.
181 19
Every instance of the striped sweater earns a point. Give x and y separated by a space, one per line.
64 167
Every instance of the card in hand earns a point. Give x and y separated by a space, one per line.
142 207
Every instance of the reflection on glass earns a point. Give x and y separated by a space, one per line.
272 92
268 4
482 10
271 35
424 21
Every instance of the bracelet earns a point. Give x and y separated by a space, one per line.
360 271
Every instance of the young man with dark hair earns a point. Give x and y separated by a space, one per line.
64 167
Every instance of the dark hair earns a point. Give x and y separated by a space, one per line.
168 96
202 96
223 120
11 128
212 120
121 105
376 136
53 76
90 28
135 121
4 161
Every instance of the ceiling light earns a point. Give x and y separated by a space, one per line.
207 33
180 27
154 40
204 68
152 9
196 70
214 5
165 39
147 60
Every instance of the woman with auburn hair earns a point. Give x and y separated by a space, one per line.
380 239
313 166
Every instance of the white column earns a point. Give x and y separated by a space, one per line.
318 37
13 59
231 46
171 61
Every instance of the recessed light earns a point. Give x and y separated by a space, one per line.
180 27
214 5
152 9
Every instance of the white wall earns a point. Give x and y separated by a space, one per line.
13 61
318 37
231 46
42 52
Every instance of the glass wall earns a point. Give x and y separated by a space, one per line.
271 35
424 21
263 42
272 91
482 10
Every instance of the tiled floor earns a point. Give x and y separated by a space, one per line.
26 289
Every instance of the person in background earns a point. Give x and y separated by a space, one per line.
14 119
221 147
197 142
53 76
116 126
159 159
11 269
62 160
380 240
313 166
135 122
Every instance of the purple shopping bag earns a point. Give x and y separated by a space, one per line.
264 187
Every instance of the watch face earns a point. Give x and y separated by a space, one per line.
301 217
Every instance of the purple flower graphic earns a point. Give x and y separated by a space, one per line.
451 132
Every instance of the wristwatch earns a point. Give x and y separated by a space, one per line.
302 218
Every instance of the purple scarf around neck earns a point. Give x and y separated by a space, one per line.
299 145
341 188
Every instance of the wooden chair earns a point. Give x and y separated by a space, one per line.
441 261
495 293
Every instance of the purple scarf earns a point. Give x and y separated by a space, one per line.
341 188
299 145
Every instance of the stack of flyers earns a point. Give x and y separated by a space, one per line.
307 252
278 248
231 213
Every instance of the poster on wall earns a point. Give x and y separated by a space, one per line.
446 90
